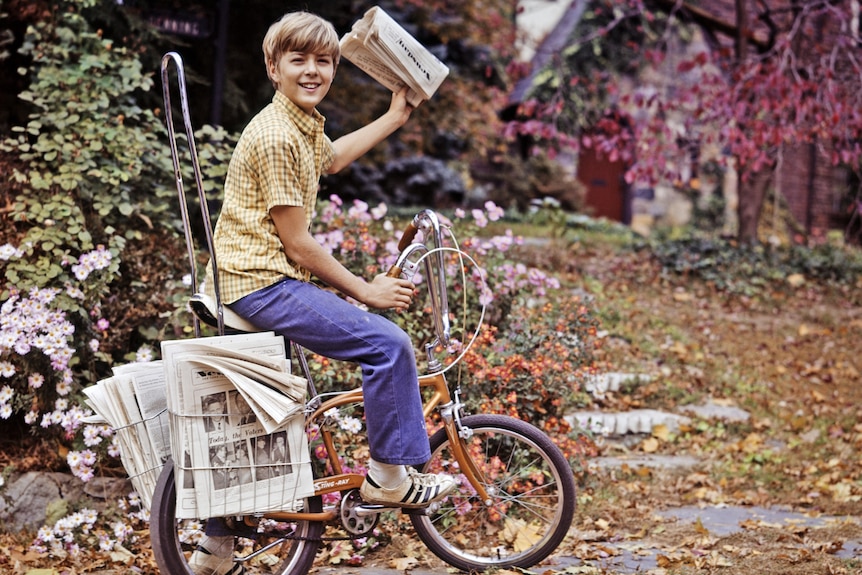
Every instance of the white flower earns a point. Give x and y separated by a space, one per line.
480 218
81 272
36 380
74 459
8 251
105 543
92 435
88 457
144 354
7 369
351 425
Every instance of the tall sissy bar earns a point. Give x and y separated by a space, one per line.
204 308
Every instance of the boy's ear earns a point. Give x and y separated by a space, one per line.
271 70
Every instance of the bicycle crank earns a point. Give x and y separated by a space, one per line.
357 517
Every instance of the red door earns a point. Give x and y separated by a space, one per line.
606 188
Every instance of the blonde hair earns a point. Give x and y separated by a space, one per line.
300 32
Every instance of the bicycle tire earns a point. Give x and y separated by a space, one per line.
173 540
533 498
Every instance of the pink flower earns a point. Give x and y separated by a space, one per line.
481 219
378 212
495 212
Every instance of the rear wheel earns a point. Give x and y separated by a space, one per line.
294 545
532 497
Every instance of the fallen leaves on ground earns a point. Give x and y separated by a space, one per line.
791 359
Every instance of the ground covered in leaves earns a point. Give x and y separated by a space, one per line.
789 353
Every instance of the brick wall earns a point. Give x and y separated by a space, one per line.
812 186
813 198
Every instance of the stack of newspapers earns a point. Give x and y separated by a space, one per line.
133 403
233 413
381 48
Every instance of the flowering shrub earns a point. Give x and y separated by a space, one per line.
366 243
536 372
84 529
92 182
38 336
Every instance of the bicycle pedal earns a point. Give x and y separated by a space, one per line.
371 508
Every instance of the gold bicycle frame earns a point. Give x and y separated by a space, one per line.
440 398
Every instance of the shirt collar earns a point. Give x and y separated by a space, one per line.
308 125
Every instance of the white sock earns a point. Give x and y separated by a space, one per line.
218 546
387 475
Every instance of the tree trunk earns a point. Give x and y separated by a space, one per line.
741 31
752 194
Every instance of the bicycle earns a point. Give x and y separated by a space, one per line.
515 499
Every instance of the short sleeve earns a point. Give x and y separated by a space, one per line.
277 167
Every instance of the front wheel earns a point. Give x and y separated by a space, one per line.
293 545
532 497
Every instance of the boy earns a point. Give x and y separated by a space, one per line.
266 256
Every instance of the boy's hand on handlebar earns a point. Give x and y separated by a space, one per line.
386 292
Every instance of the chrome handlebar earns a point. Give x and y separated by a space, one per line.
428 223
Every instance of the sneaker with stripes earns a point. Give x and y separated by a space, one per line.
417 491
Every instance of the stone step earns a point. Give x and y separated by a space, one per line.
625 422
603 383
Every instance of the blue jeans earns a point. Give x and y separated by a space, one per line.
326 324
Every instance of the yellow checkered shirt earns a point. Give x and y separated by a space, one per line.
278 161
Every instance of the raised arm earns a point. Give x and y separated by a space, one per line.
354 145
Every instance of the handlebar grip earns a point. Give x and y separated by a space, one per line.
407 236
394 272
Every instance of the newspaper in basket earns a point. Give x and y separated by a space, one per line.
237 425
133 403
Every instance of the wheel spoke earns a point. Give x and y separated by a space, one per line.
531 491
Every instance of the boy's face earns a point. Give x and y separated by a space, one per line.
304 78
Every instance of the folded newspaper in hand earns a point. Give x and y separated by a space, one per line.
227 410
381 48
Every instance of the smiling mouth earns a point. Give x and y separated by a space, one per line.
310 86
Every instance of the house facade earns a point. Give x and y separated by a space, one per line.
810 188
